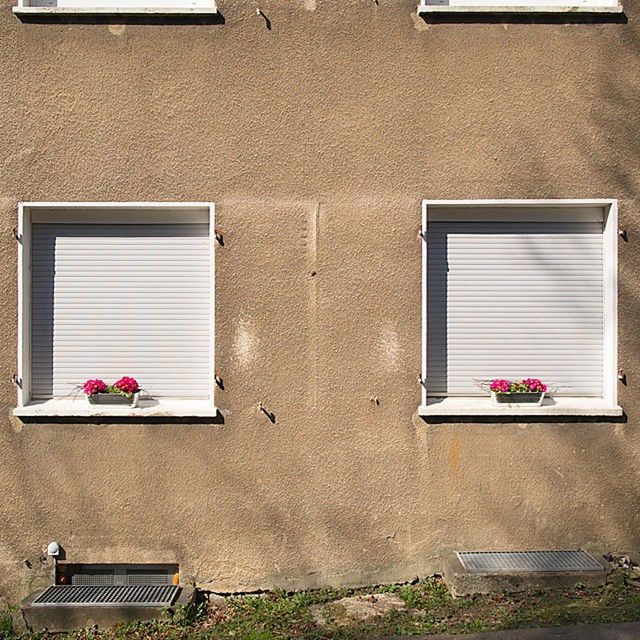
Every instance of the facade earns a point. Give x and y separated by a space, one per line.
311 229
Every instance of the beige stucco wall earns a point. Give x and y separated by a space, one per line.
317 140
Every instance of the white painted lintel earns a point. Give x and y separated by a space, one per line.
115 11
497 8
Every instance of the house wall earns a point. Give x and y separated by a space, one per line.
317 140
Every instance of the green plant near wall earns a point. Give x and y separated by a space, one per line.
6 624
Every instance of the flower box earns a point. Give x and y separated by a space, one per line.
124 392
114 398
518 398
516 393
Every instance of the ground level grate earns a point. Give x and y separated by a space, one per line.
108 596
528 561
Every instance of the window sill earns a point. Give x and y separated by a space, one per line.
426 9
464 407
80 408
114 11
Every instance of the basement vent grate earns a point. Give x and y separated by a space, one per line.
528 561
97 596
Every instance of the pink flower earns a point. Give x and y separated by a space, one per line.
535 385
500 385
90 387
127 385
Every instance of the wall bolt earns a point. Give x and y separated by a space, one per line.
269 414
267 22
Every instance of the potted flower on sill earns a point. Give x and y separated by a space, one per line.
529 391
124 392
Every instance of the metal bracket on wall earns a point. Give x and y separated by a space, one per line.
269 414
623 234
17 381
219 235
16 235
622 377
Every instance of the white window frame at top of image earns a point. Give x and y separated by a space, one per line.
607 405
25 8
72 212
427 7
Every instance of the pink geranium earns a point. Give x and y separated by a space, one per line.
534 384
127 384
500 385
528 385
91 387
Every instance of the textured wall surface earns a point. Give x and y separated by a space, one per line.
317 139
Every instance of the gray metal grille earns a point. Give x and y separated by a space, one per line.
121 575
95 577
96 596
528 561
148 577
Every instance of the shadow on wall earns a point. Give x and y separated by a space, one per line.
204 20
599 473
525 18
278 528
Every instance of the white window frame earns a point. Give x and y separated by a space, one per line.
24 8
607 405
513 6
79 407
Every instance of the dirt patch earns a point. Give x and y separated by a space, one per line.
357 609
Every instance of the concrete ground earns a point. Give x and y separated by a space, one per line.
622 631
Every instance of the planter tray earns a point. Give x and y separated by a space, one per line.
114 398
519 398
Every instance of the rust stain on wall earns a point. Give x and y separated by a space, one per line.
454 454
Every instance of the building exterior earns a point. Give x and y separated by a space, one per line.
311 228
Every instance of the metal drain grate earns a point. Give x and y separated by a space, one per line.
528 561
99 596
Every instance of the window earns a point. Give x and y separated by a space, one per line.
518 6
114 289
517 289
121 7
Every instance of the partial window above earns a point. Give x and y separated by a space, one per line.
117 7
110 290
518 6
516 290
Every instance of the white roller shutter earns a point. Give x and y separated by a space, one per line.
515 299
109 300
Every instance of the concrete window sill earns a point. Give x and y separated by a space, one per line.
113 11
467 407
80 408
427 9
